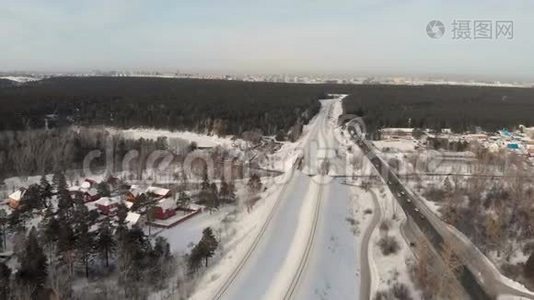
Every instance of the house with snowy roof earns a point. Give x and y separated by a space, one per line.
107 205
132 219
158 192
164 209
15 198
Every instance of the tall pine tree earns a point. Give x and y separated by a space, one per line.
5 279
45 190
85 242
33 264
105 244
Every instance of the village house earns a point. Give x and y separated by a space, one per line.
395 133
133 192
165 209
132 219
15 198
91 195
158 192
107 205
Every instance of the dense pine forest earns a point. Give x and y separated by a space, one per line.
460 108
232 107
208 106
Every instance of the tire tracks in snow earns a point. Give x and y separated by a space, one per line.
309 246
292 289
235 272
365 285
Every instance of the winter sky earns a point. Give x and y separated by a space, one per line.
365 37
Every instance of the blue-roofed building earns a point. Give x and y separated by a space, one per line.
512 146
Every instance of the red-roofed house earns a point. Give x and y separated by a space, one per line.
165 209
91 195
106 205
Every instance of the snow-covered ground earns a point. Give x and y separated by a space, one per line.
393 267
333 268
183 236
20 79
202 140
396 145
255 279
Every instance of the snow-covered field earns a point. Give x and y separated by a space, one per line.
20 79
202 140
396 145
393 267
333 269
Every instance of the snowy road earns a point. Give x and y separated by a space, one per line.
333 267
308 250
261 271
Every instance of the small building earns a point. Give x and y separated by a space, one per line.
91 195
132 219
505 133
395 133
15 197
133 192
89 181
513 146
475 137
165 209
128 204
107 205
158 192
75 191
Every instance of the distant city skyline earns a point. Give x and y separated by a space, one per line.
345 38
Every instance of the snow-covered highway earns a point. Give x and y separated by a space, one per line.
306 249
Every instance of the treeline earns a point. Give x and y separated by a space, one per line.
37 152
460 108
32 152
6 82
207 106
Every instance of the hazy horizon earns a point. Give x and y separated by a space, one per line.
352 38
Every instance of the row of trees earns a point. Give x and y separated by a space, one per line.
211 196
31 152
